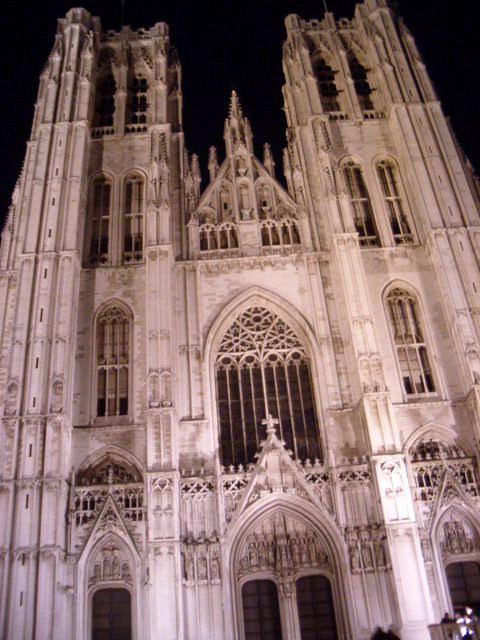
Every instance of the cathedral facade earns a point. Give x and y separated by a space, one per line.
244 412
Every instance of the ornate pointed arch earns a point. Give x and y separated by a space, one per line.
109 469
284 538
438 432
456 533
106 455
262 366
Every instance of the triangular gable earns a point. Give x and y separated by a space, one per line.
449 492
209 201
275 472
110 520
242 172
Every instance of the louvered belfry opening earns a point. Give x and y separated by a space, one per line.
262 368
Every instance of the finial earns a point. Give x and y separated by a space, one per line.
270 423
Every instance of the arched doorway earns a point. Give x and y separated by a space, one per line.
463 580
261 611
112 614
316 612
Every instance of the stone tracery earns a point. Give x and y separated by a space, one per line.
263 368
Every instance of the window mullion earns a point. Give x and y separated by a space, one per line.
118 366
302 406
255 419
230 413
242 413
290 409
278 403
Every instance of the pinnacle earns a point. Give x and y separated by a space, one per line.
235 110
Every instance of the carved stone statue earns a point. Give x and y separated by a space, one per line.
189 566
202 566
294 552
215 567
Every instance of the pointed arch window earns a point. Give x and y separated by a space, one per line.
213 237
283 233
262 368
100 221
360 81
327 86
401 230
137 111
113 361
409 342
133 219
362 211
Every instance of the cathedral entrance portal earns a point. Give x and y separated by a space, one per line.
112 615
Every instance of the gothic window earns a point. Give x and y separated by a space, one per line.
315 608
409 342
227 237
137 112
360 81
113 362
326 84
111 615
282 233
261 612
105 102
208 238
221 237
262 368
362 211
133 219
100 221
402 233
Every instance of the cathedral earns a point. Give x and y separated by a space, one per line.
247 411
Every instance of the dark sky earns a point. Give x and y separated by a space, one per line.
232 45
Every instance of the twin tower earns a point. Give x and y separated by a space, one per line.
246 412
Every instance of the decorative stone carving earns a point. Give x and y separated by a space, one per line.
457 537
110 564
56 404
366 549
201 563
281 545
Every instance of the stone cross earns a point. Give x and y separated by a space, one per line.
270 423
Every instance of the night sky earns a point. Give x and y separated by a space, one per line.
232 45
